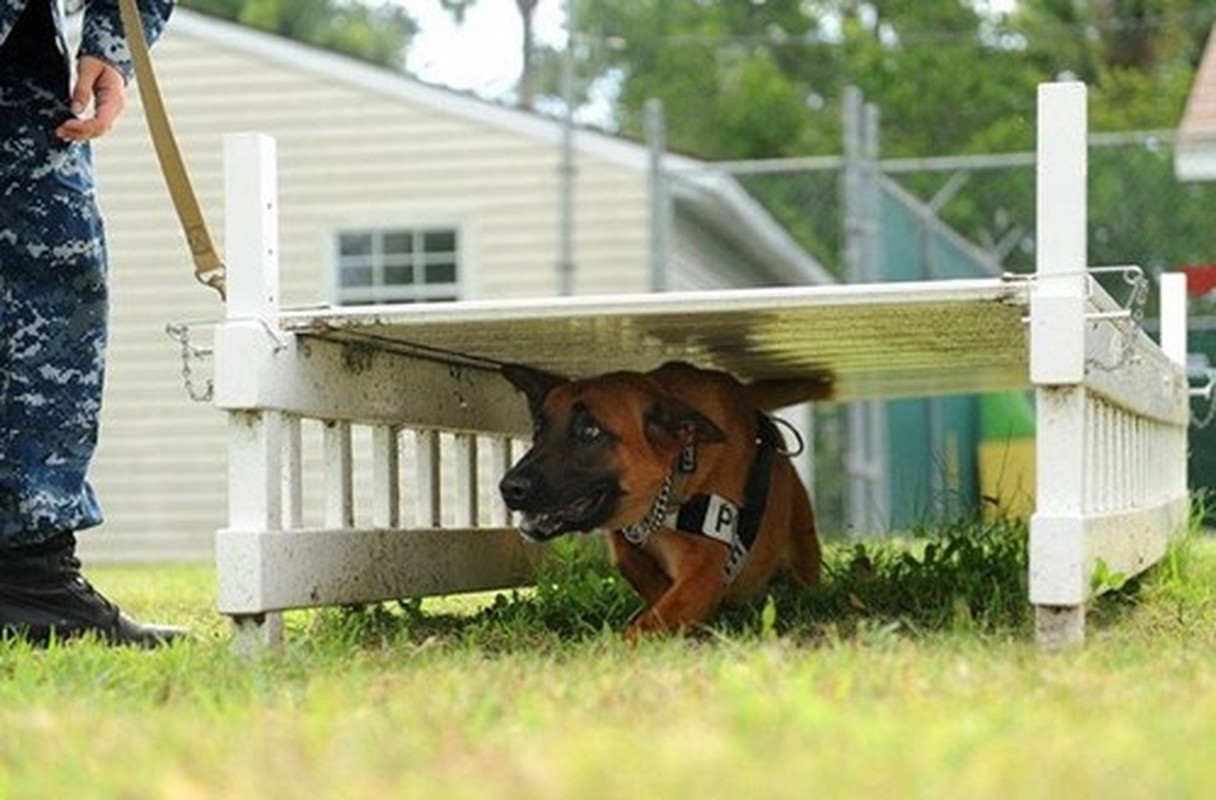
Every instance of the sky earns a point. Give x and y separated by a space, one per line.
482 56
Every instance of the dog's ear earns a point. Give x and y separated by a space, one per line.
670 420
534 383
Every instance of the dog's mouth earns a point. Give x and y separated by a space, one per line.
584 514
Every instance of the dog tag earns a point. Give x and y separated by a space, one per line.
688 459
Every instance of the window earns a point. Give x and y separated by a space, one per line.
398 265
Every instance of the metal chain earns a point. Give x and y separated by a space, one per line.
190 355
640 531
1134 277
1207 392
1200 424
1137 299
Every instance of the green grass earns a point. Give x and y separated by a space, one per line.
910 673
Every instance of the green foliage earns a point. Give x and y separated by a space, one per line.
724 70
746 80
378 32
965 577
1106 580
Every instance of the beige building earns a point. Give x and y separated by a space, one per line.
390 190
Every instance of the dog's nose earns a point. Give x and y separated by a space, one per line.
516 487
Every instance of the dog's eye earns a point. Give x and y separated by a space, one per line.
590 433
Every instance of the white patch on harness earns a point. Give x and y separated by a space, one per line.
720 522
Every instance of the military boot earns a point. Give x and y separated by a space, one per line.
44 597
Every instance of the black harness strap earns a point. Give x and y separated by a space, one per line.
755 500
719 518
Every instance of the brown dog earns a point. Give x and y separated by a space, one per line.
684 470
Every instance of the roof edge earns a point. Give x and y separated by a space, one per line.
401 85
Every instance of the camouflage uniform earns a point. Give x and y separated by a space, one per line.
52 265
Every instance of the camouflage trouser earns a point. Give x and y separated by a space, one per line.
52 318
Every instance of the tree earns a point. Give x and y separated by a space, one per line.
766 77
531 54
1137 56
733 76
379 33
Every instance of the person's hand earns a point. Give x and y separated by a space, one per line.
102 87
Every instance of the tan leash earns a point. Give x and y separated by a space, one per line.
209 268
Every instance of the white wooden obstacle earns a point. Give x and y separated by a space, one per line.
1112 406
1112 409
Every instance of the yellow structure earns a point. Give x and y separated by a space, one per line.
1007 455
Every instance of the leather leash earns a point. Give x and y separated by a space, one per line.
209 268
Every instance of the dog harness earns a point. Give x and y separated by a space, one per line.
713 515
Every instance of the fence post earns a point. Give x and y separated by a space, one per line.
866 500
1173 316
660 204
245 349
1057 367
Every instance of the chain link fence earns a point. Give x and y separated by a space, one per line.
871 219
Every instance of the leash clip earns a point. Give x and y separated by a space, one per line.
688 459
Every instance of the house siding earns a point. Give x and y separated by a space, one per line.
347 156
702 260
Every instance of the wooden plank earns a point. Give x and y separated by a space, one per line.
268 571
259 368
870 340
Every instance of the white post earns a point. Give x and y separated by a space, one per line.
1173 316
465 451
1174 343
501 457
293 474
1057 366
243 347
251 226
339 475
1057 319
429 510
386 476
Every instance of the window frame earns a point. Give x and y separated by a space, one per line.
378 291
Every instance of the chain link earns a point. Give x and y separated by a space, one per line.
191 355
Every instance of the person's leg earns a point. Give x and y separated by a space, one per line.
52 329
52 349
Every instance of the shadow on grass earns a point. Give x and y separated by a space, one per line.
965 577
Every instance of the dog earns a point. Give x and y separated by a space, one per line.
686 472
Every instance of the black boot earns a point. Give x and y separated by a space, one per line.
43 596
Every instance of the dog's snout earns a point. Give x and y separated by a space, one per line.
516 487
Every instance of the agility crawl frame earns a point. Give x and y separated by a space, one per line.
1112 405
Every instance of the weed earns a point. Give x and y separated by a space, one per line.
965 577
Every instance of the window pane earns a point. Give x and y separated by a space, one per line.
354 244
441 273
356 276
439 241
398 242
398 276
